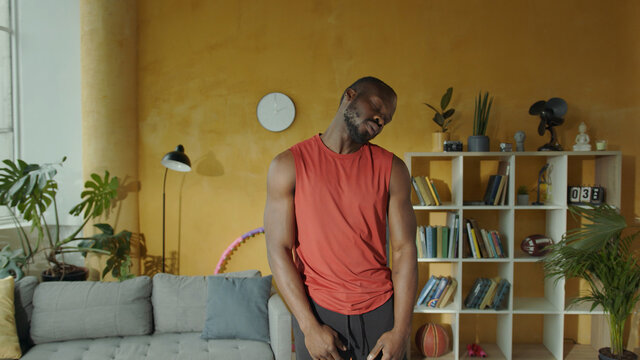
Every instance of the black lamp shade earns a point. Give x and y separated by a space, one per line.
177 160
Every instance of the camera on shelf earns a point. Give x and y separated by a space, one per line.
450 145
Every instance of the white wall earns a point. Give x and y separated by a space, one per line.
50 92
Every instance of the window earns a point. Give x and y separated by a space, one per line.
7 63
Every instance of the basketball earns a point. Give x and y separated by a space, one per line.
432 340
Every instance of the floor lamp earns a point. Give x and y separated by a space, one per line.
179 161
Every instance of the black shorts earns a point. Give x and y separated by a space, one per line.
359 333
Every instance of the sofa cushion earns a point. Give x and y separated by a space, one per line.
87 309
237 308
9 345
23 301
152 347
179 302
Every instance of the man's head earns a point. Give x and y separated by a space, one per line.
367 105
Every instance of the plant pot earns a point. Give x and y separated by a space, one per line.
73 273
523 199
478 143
437 140
605 354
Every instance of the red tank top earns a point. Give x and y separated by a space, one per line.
341 206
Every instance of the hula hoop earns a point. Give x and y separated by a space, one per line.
233 246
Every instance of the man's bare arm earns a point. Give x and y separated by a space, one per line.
402 227
279 223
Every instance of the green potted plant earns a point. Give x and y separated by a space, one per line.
479 141
11 262
118 245
442 118
29 191
601 253
523 195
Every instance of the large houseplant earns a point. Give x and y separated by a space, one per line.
442 118
479 141
29 192
601 252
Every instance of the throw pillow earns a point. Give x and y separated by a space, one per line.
237 308
9 345
179 301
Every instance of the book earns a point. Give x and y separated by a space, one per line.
432 191
498 197
431 241
477 299
477 239
497 239
424 190
466 243
475 251
451 224
476 287
432 291
502 291
492 189
439 244
503 169
488 298
432 185
418 243
438 292
417 190
445 242
425 290
448 293
488 243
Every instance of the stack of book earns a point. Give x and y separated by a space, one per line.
496 192
439 241
488 294
480 243
426 191
437 292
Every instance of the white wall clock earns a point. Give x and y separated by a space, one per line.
276 111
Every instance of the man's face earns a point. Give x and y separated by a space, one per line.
366 115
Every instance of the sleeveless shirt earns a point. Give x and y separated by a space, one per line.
341 204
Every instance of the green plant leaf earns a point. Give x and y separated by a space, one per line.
447 114
105 228
432 108
444 102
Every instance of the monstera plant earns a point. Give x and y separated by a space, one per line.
601 252
29 192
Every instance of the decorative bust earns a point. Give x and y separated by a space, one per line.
519 137
582 139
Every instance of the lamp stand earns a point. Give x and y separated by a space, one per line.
164 185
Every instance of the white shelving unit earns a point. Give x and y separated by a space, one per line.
462 176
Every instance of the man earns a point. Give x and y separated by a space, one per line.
328 202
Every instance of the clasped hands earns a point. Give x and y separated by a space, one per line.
323 344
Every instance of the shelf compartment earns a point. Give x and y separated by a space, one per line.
437 217
586 331
532 292
440 268
474 270
597 168
448 323
550 223
490 331
493 219
443 171
476 173
527 173
535 336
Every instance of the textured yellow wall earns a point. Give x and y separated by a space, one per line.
204 65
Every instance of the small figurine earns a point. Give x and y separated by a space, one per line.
582 139
519 137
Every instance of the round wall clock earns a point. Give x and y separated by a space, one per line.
276 111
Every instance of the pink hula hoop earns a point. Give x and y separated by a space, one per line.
233 246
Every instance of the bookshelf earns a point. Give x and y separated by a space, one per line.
537 321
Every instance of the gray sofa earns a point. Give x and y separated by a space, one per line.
143 318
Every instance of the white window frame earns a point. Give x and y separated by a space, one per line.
5 217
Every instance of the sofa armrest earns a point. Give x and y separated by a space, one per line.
279 328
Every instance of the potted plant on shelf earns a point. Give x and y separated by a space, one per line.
523 195
479 141
601 253
443 119
29 190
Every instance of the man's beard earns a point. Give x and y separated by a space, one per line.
350 119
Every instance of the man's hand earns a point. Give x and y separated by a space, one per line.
392 344
323 343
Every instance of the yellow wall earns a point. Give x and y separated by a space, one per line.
204 65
